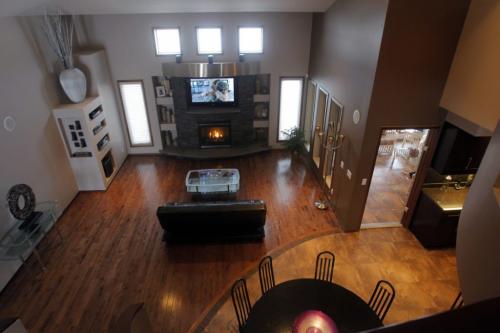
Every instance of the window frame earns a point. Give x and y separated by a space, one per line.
119 82
155 39
262 34
301 78
221 39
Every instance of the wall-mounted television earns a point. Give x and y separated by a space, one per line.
217 91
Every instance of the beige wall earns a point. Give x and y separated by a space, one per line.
344 53
478 247
473 86
129 42
33 153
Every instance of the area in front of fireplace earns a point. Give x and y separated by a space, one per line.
215 134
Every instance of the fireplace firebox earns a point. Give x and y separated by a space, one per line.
215 135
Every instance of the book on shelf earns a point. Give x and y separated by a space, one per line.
166 114
168 138
163 139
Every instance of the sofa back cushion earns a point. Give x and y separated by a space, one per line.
200 217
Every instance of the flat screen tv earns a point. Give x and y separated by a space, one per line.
219 91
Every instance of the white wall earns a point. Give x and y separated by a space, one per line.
101 84
129 42
33 153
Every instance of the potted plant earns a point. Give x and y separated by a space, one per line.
58 29
295 140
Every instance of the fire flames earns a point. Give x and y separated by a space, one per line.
216 134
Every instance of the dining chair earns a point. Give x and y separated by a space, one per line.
382 298
241 301
324 266
386 146
459 302
266 274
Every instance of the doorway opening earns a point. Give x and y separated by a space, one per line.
398 158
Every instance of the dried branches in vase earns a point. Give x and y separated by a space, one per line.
58 29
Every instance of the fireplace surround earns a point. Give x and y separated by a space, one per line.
212 135
247 131
239 119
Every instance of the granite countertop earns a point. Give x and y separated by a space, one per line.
449 199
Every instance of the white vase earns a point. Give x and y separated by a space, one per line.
74 84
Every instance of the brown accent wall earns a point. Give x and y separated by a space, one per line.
344 52
412 43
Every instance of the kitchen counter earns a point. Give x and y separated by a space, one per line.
449 199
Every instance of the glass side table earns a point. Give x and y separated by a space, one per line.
18 244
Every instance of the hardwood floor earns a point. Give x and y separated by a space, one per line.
113 255
426 282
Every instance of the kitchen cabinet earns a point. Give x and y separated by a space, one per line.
436 216
458 152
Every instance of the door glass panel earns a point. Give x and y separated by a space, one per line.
332 140
319 120
308 121
291 91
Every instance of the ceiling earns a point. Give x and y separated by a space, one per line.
91 7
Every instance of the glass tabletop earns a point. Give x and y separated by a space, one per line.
20 240
212 176
213 180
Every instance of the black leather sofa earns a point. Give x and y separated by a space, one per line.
213 221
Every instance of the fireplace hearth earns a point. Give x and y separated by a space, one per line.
214 135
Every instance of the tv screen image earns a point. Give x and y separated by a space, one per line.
212 91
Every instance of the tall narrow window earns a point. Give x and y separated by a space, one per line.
167 41
209 40
290 105
251 40
136 115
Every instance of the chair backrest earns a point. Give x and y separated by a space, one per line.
459 302
241 301
325 261
133 319
382 298
266 274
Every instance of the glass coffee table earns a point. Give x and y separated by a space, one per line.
210 182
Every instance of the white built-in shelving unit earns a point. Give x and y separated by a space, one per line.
165 110
261 100
85 133
92 130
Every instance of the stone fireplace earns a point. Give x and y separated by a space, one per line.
229 130
215 134
234 125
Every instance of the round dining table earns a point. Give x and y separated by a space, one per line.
277 309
